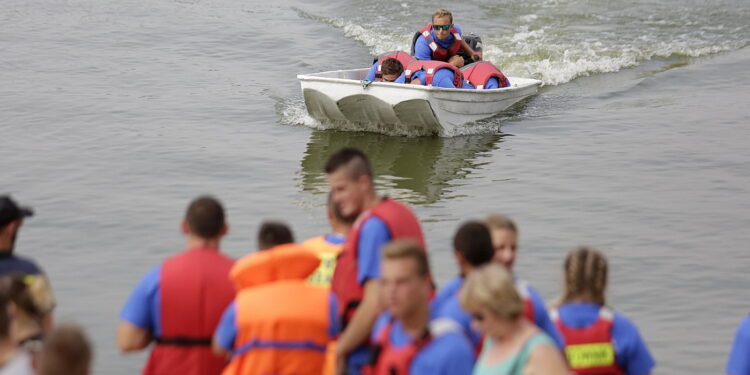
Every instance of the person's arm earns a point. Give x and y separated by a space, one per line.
422 51
739 362
226 332
371 73
475 55
132 338
361 324
546 360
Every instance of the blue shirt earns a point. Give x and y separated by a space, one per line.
449 353
422 50
631 352
447 292
739 357
492 83
451 308
442 78
11 263
226 331
143 308
374 69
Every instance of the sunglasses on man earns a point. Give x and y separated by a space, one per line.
442 27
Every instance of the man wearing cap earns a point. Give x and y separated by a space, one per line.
11 218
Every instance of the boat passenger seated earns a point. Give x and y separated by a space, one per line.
380 69
433 73
441 40
483 75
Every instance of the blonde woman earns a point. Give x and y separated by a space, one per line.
32 297
512 344
598 340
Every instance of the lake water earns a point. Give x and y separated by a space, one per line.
115 114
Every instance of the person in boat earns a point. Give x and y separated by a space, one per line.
356 278
433 73
278 323
472 248
406 342
178 303
66 351
389 67
504 234
597 339
33 302
512 345
739 357
483 75
328 246
441 40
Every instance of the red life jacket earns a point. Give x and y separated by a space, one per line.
195 289
431 67
401 224
480 72
590 350
528 304
439 53
395 361
401 56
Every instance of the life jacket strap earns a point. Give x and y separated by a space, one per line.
184 341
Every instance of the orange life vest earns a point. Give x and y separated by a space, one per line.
401 56
480 72
439 53
401 224
590 350
431 67
327 253
194 289
282 321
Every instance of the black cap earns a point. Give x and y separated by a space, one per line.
10 211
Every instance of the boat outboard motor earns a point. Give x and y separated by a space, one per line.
475 42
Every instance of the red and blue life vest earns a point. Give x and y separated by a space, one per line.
390 360
439 53
590 350
431 67
480 72
401 223
401 56
195 289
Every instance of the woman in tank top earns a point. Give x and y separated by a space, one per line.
512 345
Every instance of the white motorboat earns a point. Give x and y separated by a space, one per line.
341 98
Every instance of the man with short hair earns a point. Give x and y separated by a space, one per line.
65 351
179 303
355 280
441 41
389 69
11 219
406 341
272 233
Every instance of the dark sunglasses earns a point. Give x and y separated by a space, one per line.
442 27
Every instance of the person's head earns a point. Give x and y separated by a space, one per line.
205 218
351 180
339 223
391 69
31 296
442 20
405 277
504 234
11 218
272 234
7 310
472 246
490 296
66 351
585 276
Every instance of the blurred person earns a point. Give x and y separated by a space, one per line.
355 280
441 40
405 340
33 304
178 304
597 340
512 345
328 246
14 359
278 323
739 356
483 75
472 248
66 351
11 219
389 67
433 73
505 242
273 233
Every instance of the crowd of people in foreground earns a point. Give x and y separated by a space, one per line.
361 300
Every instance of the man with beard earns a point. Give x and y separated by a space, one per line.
11 219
